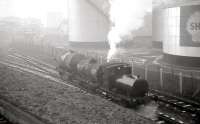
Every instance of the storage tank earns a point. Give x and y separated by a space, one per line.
71 59
87 23
181 41
157 30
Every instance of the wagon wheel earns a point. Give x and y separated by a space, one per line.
124 103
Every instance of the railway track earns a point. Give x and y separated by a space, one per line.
163 105
162 112
28 66
3 120
12 114
183 104
187 108
9 112
36 63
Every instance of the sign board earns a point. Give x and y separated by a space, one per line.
190 26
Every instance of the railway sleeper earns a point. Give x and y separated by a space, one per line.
167 118
176 103
169 96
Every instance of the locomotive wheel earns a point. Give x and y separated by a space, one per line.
65 76
125 103
61 73
140 101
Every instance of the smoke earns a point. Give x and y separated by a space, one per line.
126 16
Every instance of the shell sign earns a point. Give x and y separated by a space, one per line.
190 26
193 26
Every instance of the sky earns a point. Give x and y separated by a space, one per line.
32 8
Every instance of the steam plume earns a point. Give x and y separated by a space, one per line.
126 16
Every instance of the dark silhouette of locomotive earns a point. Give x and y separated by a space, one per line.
113 78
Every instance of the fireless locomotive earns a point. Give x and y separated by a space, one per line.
114 78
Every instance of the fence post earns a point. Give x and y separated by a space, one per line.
120 59
101 59
87 54
52 51
132 68
146 72
96 55
181 82
192 81
161 78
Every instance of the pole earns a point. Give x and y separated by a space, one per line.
161 78
181 82
146 72
132 68
101 59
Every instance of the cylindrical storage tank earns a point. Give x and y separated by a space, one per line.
6 38
87 23
182 34
157 30
71 60
5 44
88 68
59 52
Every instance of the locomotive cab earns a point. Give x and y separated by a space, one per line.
110 72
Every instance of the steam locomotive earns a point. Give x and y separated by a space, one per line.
114 79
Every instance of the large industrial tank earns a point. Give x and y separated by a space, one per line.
87 23
157 30
181 40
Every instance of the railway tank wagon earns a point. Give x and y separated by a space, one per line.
109 78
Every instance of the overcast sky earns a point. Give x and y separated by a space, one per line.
32 8
5 8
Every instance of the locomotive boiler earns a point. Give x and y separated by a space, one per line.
111 78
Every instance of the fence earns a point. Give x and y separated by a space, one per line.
179 82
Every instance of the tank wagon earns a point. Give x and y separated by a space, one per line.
114 79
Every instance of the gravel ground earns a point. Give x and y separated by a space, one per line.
59 104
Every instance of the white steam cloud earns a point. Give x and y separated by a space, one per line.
126 16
